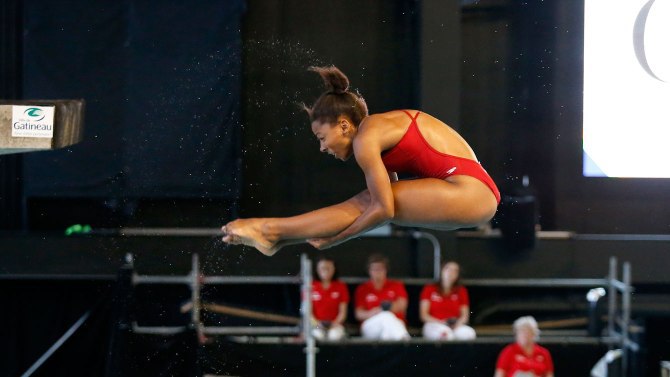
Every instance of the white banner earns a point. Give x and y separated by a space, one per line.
627 88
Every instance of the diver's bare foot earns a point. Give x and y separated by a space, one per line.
249 232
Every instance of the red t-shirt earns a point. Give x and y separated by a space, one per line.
445 306
513 359
367 297
326 302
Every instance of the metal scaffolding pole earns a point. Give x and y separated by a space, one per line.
612 292
195 294
308 335
57 345
625 318
620 315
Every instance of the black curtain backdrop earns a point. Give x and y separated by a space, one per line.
11 194
38 313
162 86
375 43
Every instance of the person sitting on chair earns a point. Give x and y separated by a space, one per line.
330 298
445 307
381 303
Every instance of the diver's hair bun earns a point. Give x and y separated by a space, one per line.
337 100
334 80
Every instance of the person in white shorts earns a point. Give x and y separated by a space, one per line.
381 303
330 298
445 307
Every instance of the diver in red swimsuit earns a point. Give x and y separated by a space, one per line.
451 189
413 154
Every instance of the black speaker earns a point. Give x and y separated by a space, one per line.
518 216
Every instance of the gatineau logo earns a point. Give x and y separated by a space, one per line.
33 121
35 114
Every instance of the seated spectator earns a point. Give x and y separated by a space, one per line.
330 298
525 358
445 307
381 304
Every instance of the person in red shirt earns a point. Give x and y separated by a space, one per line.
525 358
381 303
330 298
445 307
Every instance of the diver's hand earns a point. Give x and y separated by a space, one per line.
323 242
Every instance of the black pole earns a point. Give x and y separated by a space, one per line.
12 202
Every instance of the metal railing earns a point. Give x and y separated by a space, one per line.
382 231
621 333
618 313
195 281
